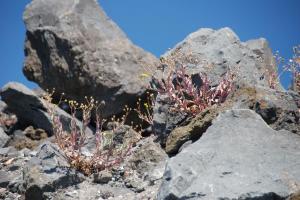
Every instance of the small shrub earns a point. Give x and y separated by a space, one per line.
183 94
106 155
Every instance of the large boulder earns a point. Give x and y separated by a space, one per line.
75 47
32 110
215 52
238 157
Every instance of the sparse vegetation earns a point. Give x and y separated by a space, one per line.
145 110
292 66
106 155
183 93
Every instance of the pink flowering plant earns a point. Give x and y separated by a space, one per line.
186 96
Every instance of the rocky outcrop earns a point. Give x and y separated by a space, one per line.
74 47
3 138
246 148
238 157
215 52
146 164
30 109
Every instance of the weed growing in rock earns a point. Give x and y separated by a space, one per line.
293 66
106 154
145 110
183 93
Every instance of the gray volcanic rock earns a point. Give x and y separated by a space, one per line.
4 179
3 138
238 157
74 47
147 162
47 171
278 109
215 52
30 109
218 51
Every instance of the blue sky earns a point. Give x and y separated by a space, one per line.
157 25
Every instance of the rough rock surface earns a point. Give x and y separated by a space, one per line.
3 138
86 190
192 131
2 106
278 109
216 52
31 110
74 47
47 171
147 162
238 157
165 119
21 139
222 50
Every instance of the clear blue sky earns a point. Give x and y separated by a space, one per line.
157 25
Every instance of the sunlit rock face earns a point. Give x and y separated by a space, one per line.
74 47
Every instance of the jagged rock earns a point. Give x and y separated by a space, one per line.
296 97
165 119
135 183
146 164
88 190
238 157
20 141
123 134
224 51
102 177
4 179
5 194
215 52
279 109
11 167
74 47
35 134
192 131
8 151
32 110
3 138
47 171
2 106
